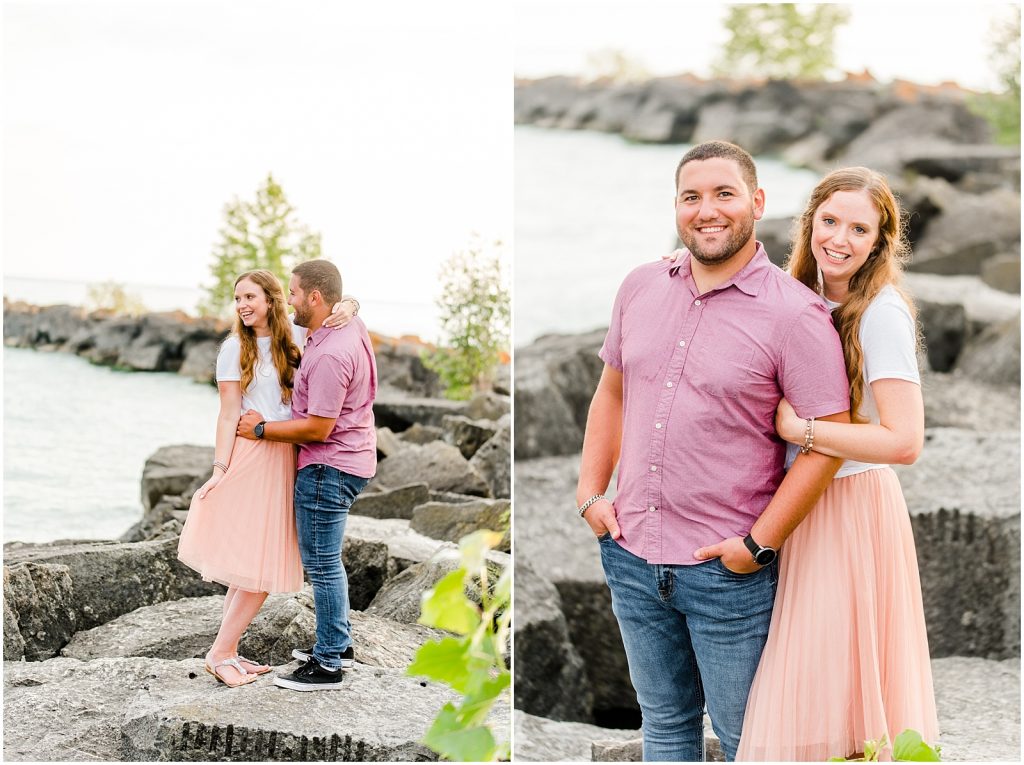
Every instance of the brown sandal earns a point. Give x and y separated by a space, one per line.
247 677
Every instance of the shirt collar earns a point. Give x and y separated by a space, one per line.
318 336
748 279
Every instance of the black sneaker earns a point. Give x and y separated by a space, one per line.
347 656
311 677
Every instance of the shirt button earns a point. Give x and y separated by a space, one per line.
651 508
654 468
668 384
657 425
682 343
696 302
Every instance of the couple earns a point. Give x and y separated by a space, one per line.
241 528
721 369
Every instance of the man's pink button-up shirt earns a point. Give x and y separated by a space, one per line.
702 377
338 378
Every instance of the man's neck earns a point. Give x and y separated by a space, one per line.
317 319
708 278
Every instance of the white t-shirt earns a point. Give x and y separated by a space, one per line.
264 393
888 341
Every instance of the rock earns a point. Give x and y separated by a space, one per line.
559 546
953 163
366 565
112 578
438 464
400 365
487 406
388 443
175 470
963 494
979 708
1002 272
556 377
994 356
108 338
167 509
944 329
466 434
399 599
493 461
956 401
982 304
398 410
158 345
451 523
39 606
421 434
200 360
615 750
552 683
776 234
28 326
158 710
404 546
541 740
391 503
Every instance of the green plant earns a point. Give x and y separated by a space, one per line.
615 65
780 40
475 311
473 663
1002 109
112 296
908 747
264 233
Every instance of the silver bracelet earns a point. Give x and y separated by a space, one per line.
221 465
586 505
808 437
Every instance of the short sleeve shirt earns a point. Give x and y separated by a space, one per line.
702 377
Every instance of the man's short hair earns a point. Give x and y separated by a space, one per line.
722 150
320 275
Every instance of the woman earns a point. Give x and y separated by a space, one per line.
240 529
847 652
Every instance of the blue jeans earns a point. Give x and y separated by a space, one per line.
693 634
323 496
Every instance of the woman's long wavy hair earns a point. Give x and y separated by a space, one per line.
283 350
883 266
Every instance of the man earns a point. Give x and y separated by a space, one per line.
332 421
697 357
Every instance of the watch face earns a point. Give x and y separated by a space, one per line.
765 556
258 430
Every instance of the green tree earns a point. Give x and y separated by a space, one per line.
475 313
780 41
264 233
616 66
1002 110
112 296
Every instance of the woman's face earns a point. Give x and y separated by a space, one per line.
844 232
251 304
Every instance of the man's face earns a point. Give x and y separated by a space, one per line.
297 300
715 211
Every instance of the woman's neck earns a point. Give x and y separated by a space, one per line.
259 331
836 291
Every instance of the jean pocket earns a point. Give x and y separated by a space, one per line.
605 536
736 574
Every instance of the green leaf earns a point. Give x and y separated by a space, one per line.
469 745
474 547
909 747
503 588
480 697
444 661
446 606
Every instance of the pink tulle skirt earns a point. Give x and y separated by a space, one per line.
243 532
847 653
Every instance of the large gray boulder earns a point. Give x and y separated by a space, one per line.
398 410
167 508
956 401
437 464
200 360
450 523
466 434
39 610
963 494
539 739
994 355
403 545
391 503
112 578
175 470
550 680
160 710
978 702
493 460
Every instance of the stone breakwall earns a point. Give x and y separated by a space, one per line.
103 640
937 154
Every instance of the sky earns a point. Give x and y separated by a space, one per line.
129 125
922 42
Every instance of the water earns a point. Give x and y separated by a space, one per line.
590 207
76 437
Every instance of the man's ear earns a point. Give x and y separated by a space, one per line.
758 204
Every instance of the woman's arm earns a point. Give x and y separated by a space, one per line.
227 421
896 440
342 312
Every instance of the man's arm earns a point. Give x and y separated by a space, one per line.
802 487
304 431
601 444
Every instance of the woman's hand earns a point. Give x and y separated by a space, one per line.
788 424
342 313
209 486
674 255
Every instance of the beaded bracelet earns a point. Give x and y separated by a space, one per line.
808 437
586 505
221 465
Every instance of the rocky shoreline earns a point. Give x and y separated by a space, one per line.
103 639
963 494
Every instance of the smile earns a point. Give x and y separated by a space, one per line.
837 257
711 229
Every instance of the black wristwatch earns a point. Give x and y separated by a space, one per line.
763 556
258 430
